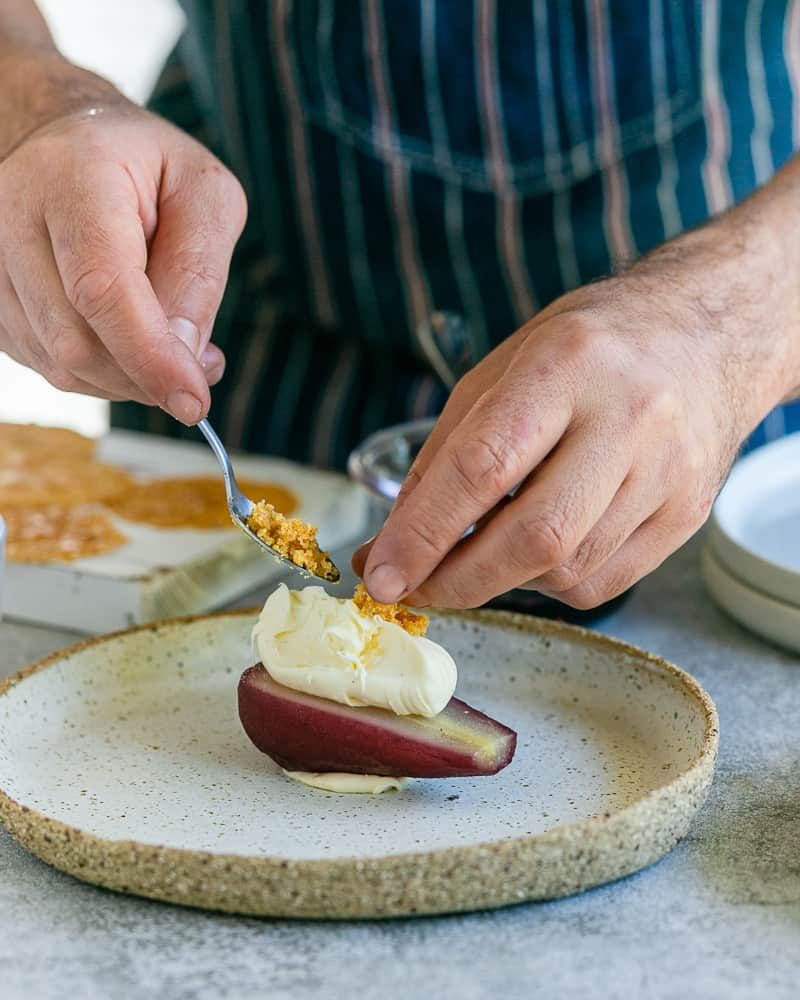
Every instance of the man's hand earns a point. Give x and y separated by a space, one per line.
116 234
614 415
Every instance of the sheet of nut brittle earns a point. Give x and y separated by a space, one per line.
192 501
81 566
61 504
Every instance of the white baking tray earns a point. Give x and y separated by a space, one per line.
163 573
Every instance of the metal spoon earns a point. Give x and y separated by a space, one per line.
241 507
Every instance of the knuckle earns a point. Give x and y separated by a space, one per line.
156 366
237 200
93 291
71 350
424 536
654 403
147 367
197 268
227 192
595 549
560 578
596 591
412 480
540 541
61 379
585 597
488 465
584 339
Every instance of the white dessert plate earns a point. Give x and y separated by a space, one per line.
122 761
766 616
755 522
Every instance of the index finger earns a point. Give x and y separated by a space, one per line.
460 402
101 255
503 437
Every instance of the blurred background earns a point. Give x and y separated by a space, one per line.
127 43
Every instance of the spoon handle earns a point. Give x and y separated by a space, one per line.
241 507
237 501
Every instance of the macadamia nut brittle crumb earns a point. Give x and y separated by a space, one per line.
413 623
292 538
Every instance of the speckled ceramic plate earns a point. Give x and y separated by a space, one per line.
122 762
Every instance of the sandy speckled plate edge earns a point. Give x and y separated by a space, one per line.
558 862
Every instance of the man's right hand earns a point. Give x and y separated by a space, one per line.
116 235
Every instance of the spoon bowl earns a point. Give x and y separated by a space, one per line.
241 507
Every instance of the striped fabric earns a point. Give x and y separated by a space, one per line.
410 160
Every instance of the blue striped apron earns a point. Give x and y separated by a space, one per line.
424 175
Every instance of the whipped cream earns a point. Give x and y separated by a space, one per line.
333 781
312 642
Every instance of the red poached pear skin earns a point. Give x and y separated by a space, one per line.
301 732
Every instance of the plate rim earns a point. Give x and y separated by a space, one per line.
772 578
71 849
714 568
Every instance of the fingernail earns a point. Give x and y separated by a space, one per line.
211 356
212 361
386 583
184 406
185 330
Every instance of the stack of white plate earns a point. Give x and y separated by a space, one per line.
751 563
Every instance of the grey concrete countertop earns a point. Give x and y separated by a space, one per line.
719 917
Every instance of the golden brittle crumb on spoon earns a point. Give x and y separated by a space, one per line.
293 539
413 623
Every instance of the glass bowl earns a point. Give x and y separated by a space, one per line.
380 464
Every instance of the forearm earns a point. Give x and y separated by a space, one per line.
743 273
779 202
37 84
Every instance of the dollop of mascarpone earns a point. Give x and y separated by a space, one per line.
333 781
312 642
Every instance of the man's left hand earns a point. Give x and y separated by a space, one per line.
591 444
